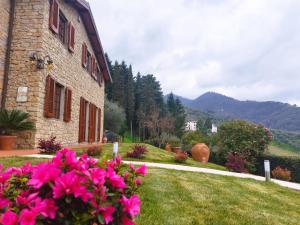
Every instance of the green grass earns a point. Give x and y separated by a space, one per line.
155 155
280 150
185 198
172 197
19 161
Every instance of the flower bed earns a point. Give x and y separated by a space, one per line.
68 190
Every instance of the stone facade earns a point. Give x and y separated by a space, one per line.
4 22
31 33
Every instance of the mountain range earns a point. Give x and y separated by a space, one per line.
275 115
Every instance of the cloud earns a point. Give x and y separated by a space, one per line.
247 49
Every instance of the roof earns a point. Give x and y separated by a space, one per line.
85 12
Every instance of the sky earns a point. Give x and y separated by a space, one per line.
246 49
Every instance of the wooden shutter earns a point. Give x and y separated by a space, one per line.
49 97
99 125
82 120
68 105
92 123
54 16
71 37
84 55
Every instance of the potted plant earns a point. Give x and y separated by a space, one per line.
12 121
175 143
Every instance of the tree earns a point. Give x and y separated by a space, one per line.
204 126
114 116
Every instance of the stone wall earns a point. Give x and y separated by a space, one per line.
4 21
67 71
32 34
27 38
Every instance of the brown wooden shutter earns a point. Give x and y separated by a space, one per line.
92 123
82 120
99 125
71 37
68 105
54 16
49 97
84 55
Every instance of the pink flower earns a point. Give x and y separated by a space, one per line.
9 218
131 205
97 176
47 208
65 157
27 217
42 174
114 179
70 184
142 170
138 181
127 221
4 202
24 200
107 213
87 162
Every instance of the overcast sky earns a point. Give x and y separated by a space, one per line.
246 49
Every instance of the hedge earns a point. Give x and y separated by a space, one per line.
290 163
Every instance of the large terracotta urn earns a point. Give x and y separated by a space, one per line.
200 153
168 148
7 142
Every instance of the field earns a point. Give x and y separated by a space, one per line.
278 150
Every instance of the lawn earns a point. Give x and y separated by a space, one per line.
184 198
155 155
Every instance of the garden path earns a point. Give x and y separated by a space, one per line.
291 185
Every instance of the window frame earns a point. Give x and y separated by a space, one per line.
63 20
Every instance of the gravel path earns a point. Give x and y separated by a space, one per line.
291 185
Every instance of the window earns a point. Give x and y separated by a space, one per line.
89 62
63 28
99 76
57 100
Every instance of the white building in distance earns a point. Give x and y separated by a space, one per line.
191 126
214 128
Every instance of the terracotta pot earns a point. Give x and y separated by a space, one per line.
200 153
7 142
176 149
168 148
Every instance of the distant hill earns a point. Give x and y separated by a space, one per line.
275 115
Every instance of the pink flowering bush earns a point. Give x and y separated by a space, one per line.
68 190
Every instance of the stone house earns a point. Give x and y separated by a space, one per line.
53 66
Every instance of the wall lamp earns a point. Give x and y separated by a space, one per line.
41 62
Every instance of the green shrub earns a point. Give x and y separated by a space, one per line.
14 120
94 151
193 137
245 138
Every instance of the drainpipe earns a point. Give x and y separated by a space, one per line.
8 50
